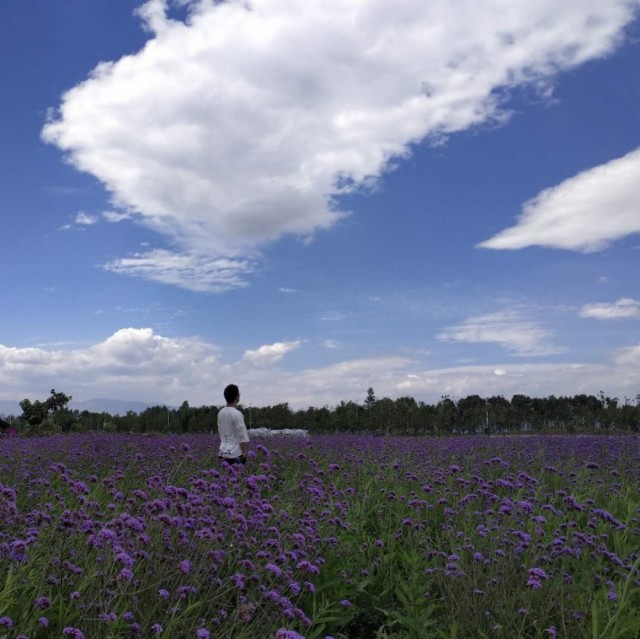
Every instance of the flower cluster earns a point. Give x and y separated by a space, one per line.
153 535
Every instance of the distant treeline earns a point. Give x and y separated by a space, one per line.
402 416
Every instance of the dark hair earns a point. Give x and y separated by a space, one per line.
231 393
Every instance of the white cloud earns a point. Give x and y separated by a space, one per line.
244 123
629 356
133 363
505 328
198 273
116 216
584 213
332 344
138 364
86 219
535 380
333 316
270 353
344 380
622 308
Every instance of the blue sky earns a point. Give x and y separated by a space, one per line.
309 199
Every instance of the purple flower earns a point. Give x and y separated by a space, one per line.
538 573
185 566
345 603
157 628
612 595
203 633
273 569
309 567
6 621
124 558
74 632
107 616
125 575
238 580
42 602
283 633
44 622
163 593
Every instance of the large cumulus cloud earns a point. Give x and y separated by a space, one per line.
248 120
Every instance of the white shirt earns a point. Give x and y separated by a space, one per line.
232 431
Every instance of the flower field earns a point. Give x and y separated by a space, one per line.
351 537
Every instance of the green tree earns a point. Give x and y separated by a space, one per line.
34 413
37 412
184 416
473 413
446 416
57 401
370 399
499 412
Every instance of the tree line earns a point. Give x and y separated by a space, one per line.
401 416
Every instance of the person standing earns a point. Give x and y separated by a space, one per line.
234 438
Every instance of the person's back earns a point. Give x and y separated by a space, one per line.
234 439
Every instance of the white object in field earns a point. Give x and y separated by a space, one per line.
268 432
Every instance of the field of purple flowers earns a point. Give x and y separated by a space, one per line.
351 537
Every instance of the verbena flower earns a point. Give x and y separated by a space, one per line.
6 621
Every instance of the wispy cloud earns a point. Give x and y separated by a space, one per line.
508 329
81 221
85 219
623 308
630 356
331 344
333 316
584 213
116 216
247 121
193 272
270 353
